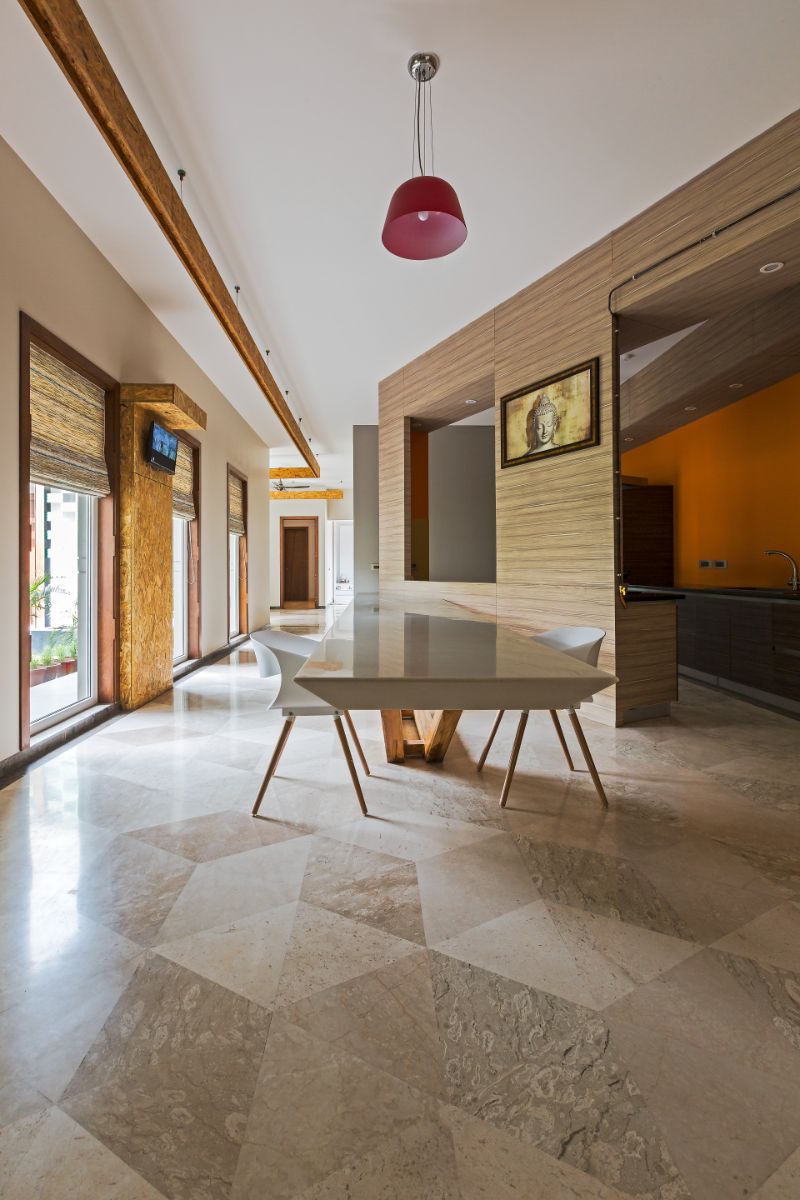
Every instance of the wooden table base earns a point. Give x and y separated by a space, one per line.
421 733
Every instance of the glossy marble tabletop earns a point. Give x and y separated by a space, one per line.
421 654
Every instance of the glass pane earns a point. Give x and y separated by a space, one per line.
180 589
233 583
61 601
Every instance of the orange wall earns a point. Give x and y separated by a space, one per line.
736 475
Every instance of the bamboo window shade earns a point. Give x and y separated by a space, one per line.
68 427
236 504
183 484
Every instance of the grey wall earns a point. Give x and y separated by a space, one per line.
461 504
365 507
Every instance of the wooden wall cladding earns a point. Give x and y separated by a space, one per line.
754 174
555 518
433 390
145 555
647 656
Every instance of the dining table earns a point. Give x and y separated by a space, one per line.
422 662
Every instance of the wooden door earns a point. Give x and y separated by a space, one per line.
299 550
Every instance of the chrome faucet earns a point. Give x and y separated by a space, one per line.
793 582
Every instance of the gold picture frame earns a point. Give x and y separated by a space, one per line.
554 416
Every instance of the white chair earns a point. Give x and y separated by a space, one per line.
284 654
578 641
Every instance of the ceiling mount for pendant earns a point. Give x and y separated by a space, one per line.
423 65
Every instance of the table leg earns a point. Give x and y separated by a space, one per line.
512 762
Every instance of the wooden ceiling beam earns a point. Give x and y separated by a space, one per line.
292 473
326 494
69 37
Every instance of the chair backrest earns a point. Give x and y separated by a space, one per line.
280 653
578 641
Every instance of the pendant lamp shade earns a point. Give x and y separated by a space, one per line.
424 219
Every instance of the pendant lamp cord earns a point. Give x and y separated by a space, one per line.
422 120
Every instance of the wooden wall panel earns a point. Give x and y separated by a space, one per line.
761 170
145 641
555 518
394 490
647 656
433 389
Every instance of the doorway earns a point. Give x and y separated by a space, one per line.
342 560
299 562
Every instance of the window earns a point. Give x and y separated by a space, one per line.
186 551
180 589
237 554
233 584
63 602
68 471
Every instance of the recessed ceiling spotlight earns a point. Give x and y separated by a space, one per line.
627 439
735 386
470 401
770 268
690 408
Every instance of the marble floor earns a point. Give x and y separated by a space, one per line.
443 1001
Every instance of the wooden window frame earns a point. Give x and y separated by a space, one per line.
312 520
244 607
107 616
194 622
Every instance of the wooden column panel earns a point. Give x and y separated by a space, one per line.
145 642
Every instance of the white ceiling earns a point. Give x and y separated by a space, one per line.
556 122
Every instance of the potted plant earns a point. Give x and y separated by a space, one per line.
38 670
47 662
64 649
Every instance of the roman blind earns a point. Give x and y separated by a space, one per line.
235 504
183 484
68 427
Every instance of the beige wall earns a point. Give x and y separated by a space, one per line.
51 271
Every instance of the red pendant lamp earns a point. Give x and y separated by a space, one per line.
424 218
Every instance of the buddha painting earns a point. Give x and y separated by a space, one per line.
552 417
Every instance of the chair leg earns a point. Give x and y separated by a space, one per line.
587 754
350 764
273 762
512 762
562 739
488 745
354 736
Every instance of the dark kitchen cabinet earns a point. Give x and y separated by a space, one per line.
753 643
648 553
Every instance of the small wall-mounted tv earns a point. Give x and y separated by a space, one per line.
162 448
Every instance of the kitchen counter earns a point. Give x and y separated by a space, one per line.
745 640
772 595
638 594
